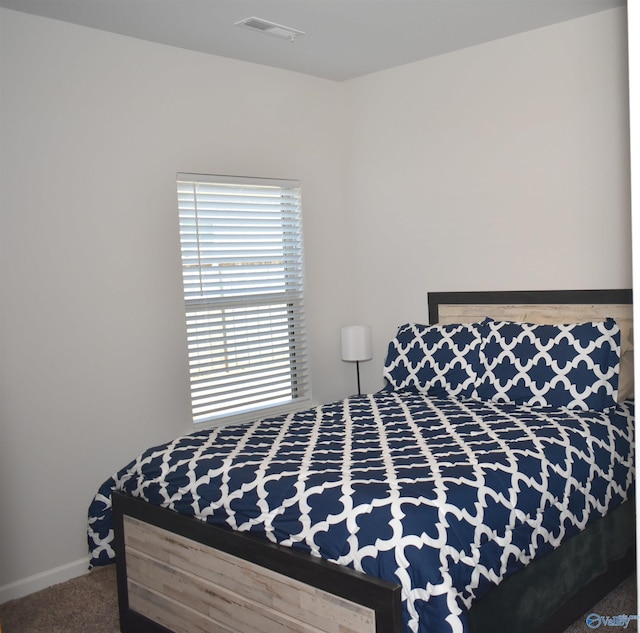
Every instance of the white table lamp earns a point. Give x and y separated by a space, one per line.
356 345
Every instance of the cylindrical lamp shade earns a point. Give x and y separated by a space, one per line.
356 342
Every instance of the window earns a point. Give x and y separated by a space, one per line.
242 262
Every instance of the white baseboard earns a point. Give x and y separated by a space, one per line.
31 584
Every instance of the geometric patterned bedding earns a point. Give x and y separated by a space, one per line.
446 496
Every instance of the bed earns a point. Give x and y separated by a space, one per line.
463 497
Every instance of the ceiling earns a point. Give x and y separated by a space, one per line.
343 38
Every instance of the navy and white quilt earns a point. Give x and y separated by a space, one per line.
446 496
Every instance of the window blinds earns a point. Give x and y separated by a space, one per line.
242 259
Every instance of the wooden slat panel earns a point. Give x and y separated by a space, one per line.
223 586
171 614
567 313
208 602
474 313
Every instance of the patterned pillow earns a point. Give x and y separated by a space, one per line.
435 359
573 365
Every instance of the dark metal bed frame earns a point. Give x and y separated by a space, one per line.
382 597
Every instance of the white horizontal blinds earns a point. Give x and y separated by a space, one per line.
244 294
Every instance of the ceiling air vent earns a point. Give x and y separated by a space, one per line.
270 28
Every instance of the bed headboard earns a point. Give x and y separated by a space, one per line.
521 305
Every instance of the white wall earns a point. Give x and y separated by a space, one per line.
501 166
94 129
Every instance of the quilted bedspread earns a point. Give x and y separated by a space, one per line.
445 496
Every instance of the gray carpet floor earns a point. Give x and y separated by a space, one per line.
89 604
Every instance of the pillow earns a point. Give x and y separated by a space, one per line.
435 359
626 379
572 365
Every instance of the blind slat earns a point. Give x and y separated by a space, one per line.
242 255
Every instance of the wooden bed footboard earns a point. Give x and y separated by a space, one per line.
182 575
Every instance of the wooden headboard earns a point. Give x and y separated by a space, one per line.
535 305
